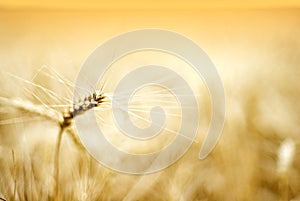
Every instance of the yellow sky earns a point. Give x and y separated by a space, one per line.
142 4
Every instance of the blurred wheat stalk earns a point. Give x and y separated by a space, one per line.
63 121
49 114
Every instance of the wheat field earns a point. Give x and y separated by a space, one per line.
257 54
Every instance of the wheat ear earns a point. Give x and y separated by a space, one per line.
32 108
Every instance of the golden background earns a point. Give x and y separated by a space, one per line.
255 46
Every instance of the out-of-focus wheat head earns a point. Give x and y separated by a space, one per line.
257 54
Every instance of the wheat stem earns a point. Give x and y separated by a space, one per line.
56 162
14 173
286 155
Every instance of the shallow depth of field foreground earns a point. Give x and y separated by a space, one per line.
257 54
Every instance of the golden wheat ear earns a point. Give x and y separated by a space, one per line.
31 108
83 105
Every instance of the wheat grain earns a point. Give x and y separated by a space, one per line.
82 106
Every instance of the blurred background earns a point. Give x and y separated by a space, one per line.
255 46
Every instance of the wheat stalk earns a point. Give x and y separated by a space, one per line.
62 119
286 154
14 173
